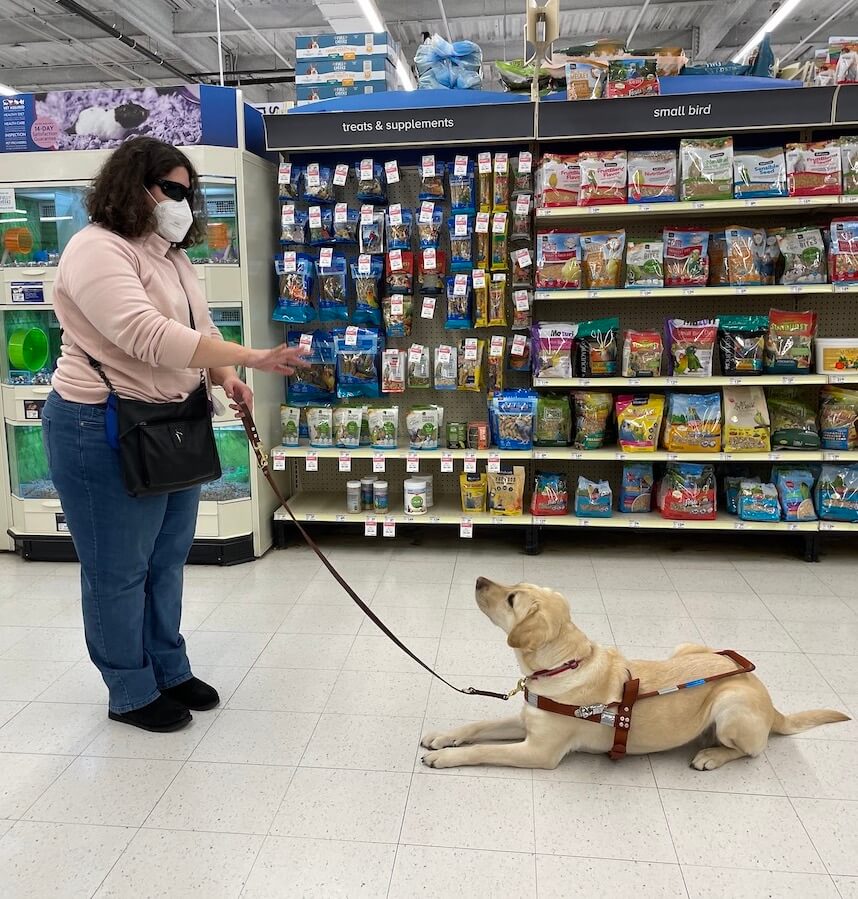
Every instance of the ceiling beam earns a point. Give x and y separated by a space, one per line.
718 21
297 15
13 29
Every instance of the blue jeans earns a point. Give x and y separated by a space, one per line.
132 554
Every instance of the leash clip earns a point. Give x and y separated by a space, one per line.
517 689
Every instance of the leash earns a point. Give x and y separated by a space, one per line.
262 462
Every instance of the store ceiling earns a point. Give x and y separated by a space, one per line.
45 46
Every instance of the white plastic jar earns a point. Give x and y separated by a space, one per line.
415 497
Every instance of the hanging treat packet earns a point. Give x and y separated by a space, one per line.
499 242
795 492
521 208
746 420
706 166
333 305
398 222
501 182
553 420
597 348
688 492
447 367
357 351
384 427
398 314
480 283
320 225
289 181
424 425
460 313
849 164
592 411
295 276
399 271
371 182
652 176
506 491
602 259
471 353
758 502
320 426
836 493
484 182
315 384
430 220
293 225
645 263
759 173
803 253
639 422
686 258
345 224
496 310
522 174
691 347
642 354
461 229
550 495
558 180
318 183
371 231
558 260
522 305
838 418
519 353
632 77
431 269
745 247
741 343
636 488
431 179
843 251
593 499
793 418
419 368
366 276
495 377
813 169
462 186
393 371
789 342
693 423
604 177
552 350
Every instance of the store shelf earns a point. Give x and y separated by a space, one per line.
840 455
658 293
616 454
367 452
843 527
654 521
687 382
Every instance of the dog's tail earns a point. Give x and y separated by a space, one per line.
801 721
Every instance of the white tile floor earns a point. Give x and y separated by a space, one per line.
307 781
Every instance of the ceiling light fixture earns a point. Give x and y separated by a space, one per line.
6 91
372 15
767 27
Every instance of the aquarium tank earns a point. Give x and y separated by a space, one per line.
29 475
44 219
31 346
218 208
234 482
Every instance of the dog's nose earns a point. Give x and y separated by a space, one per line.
482 582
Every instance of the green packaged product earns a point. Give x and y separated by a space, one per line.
706 166
645 263
742 343
457 435
793 419
553 421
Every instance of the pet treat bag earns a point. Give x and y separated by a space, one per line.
384 427
759 173
316 384
398 312
552 349
693 423
550 495
558 180
604 175
636 488
707 168
602 258
320 426
424 424
718 259
795 492
686 258
652 176
473 489
593 499
592 411
789 342
393 371
642 354
506 491
849 164
639 422
688 492
366 276
745 247
553 421
645 263
597 349
843 252
691 347
333 305
347 426
746 420
632 77
741 343
446 367
758 502
357 351
793 418
813 169
558 260
803 252
838 418
837 493
295 275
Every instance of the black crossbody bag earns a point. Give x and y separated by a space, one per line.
163 447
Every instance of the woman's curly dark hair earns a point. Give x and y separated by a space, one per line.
118 200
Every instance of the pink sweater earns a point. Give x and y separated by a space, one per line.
125 302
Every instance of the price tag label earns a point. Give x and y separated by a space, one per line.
805 201
788 379
287 215
775 457
740 525
427 208
522 204
584 382
364 264
678 525
394 212
341 174
290 261
837 379
460 287
493 463
750 203
351 336
460 226
522 257
341 213
501 163
795 288
519 344
672 457
389 527
645 292
311 463
430 260
484 163
471 349
412 462
378 462
415 354
305 341
634 523
445 354
689 291
339 518
499 223
428 310
620 457
313 175
466 528
832 457
740 291
826 525
672 382
446 462
634 382
593 293
366 168
284 173
278 461
326 256
370 527
478 276
366 214
394 258
460 166
310 516
735 380
576 456
698 204
482 223
391 171
315 213
792 526
470 463
345 461
496 346
427 166
525 162
397 304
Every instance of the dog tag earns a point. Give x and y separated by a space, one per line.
446 462
341 173
470 463
345 461
466 528
378 462
412 462
311 463
493 463
389 527
391 171
370 527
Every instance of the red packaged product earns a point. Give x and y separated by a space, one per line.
813 170
843 253
399 271
687 492
431 269
550 495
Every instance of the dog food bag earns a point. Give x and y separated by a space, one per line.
746 420
745 247
686 258
597 349
604 177
357 351
838 418
795 492
592 410
636 488
320 425
290 420
393 371
552 350
384 427
550 495
849 164
803 252
652 176
333 305
473 489
506 491
316 384
398 315
837 493
645 263
347 425
419 368
639 422
706 165
593 499
759 173
642 354
424 424
693 423
602 258
558 180
789 342
843 251
293 225
813 169
691 347
553 420
741 343
471 353
718 259
558 260
447 367
793 419
758 502
295 275
688 492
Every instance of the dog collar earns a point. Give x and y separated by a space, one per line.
571 665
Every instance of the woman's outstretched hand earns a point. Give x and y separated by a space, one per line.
282 360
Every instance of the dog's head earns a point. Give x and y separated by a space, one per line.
536 620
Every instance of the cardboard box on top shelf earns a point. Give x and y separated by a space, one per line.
345 46
309 93
343 71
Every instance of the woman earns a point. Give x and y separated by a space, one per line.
127 295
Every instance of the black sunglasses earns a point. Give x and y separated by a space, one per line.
174 190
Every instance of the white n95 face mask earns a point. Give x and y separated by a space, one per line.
173 219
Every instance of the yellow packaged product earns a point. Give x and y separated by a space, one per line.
506 491
746 421
639 422
473 488
693 423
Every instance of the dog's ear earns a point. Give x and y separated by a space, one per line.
534 630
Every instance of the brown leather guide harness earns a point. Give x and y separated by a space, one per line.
620 719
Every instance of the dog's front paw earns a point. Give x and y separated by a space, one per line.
441 758
438 740
708 759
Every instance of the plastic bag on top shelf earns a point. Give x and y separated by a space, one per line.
443 65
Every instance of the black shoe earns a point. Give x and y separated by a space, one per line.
193 694
161 716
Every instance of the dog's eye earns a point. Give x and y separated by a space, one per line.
510 599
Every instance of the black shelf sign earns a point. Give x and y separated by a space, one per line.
846 105
432 127
783 109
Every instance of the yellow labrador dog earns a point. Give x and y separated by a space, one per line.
540 630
